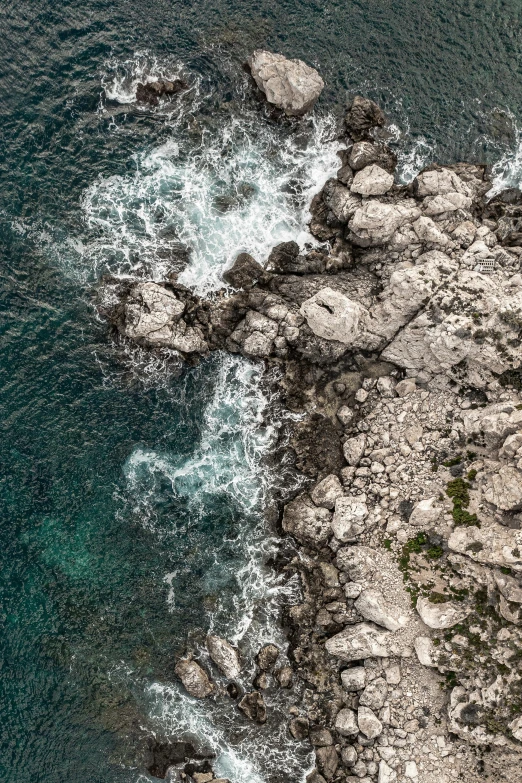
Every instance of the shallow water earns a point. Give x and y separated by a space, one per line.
131 496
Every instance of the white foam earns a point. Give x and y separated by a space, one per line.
120 78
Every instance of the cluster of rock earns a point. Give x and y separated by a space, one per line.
399 340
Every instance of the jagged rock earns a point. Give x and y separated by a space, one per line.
386 773
511 445
244 272
320 737
327 761
372 181
291 85
345 415
348 521
510 587
267 656
438 181
299 728
375 222
285 676
255 335
361 116
151 92
306 521
493 423
330 574
194 678
374 695
425 513
492 544
447 203
516 728
315 777
253 706
333 316
357 642
369 723
444 615
365 153
425 650
372 605
354 679
357 561
507 612
353 449
427 231
327 492
346 723
224 655
339 199
504 489
282 258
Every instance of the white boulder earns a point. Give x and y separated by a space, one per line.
372 181
372 605
349 515
357 642
333 316
444 615
291 85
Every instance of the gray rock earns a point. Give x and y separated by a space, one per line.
358 642
426 513
441 615
195 680
375 222
253 706
372 181
504 489
510 446
267 656
353 449
425 650
438 181
340 200
369 723
510 587
348 521
244 272
374 695
361 116
354 679
327 761
291 85
357 561
492 544
346 723
372 605
224 655
307 522
386 773
333 316
327 491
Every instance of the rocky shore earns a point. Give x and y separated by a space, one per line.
398 340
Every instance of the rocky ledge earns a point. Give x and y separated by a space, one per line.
398 339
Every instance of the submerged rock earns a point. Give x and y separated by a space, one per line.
291 85
151 92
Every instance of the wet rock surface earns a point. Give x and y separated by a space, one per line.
399 344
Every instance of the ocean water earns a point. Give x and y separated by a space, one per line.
132 494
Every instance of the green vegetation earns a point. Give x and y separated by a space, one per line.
458 491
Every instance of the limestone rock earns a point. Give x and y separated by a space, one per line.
494 423
510 446
358 642
306 521
357 561
194 678
369 723
253 706
504 489
349 516
425 650
291 85
374 695
427 231
346 723
333 316
339 199
372 181
386 773
224 655
516 728
444 615
450 202
492 544
375 222
438 181
353 449
510 587
372 605
327 491
425 513
354 679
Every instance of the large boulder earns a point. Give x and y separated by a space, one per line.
369 723
194 678
491 544
363 115
503 489
444 615
244 272
291 85
348 521
375 222
372 181
253 706
358 642
306 521
346 723
224 655
438 181
373 606
333 316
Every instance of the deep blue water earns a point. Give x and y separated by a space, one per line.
130 500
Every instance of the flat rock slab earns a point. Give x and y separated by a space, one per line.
358 642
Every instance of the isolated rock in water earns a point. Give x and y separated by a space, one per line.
346 723
358 642
151 92
267 656
348 521
224 655
253 706
354 679
333 316
244 272
194 678
372 181
425 650
362 116
327 491
306 521
372 605
290 85
369 723
444 615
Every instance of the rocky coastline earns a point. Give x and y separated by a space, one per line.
398 341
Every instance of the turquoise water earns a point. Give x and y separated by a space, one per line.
130 495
